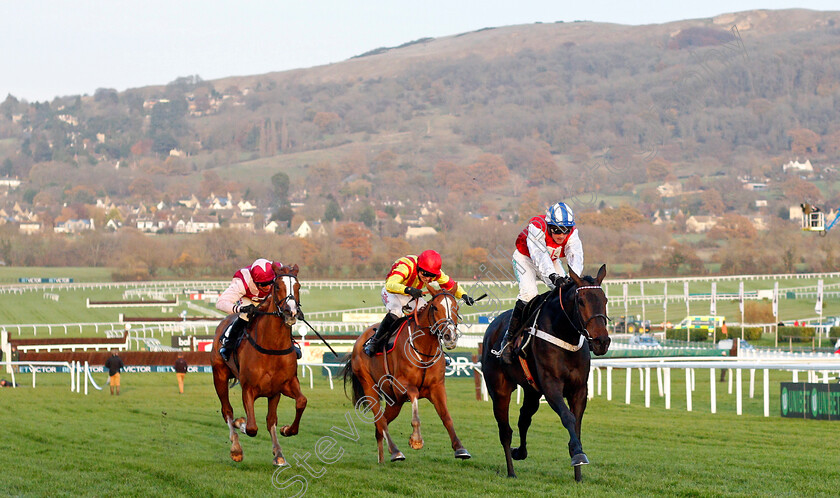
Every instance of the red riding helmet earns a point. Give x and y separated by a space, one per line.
261 271
429 261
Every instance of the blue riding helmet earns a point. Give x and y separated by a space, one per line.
560 215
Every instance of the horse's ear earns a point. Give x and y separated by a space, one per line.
601 274
575 278
432 291
277 267
294 270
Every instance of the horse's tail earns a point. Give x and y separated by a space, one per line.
349 376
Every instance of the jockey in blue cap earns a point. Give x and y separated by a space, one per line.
539 247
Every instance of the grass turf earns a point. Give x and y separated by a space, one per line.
153 441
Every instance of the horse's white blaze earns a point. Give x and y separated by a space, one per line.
289 283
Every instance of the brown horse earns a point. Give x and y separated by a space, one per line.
414 368
267 365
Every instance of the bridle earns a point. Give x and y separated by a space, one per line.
435 329
278 303
578 323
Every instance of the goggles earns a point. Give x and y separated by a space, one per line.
264 284
427 274
556 229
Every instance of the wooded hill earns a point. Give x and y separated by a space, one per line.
483 128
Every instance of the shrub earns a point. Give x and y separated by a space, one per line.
695 335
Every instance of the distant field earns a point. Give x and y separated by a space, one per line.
11 274
35 307
151 441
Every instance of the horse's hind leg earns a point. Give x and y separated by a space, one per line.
220 381
529 408
501 408
437 395
271 422
295 393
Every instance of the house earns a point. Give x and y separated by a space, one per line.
240 223
415 232
699 224
761 203
669 189
271 227
29 227
307 230
797 166
73 226
755 186
760 222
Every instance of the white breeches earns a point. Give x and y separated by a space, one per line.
395 303
527 275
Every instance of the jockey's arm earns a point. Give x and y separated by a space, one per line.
574 253
229 300
446 283
394 284
539 252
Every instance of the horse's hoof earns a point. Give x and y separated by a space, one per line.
240 424
415 444
397 457
236 457
579 459
279 461
285 431
251 433
519 453
462 454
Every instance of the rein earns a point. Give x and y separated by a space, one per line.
429 327
579 327
277 313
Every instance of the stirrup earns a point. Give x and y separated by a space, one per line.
224 353
368 347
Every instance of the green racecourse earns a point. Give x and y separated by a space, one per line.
150 441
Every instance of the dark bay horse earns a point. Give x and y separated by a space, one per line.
569 324
267 365
413 369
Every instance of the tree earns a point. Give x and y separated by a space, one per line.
332 212
803 141
280 181
355 238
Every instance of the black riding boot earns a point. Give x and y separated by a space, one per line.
374 344
229 343
506 348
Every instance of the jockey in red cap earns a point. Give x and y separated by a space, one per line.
404 285
539 247
249 287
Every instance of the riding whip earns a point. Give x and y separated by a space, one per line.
319 337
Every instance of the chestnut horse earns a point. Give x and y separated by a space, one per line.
414 368
266 362
563 327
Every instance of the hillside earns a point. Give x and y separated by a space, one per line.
481 129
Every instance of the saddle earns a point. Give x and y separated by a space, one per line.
398 326
529 317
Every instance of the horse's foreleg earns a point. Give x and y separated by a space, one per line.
437 395
295 393
220 381
529 408
554 396
381 422
501 407
248 397
416 439
271 423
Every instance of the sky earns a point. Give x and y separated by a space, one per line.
52 48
